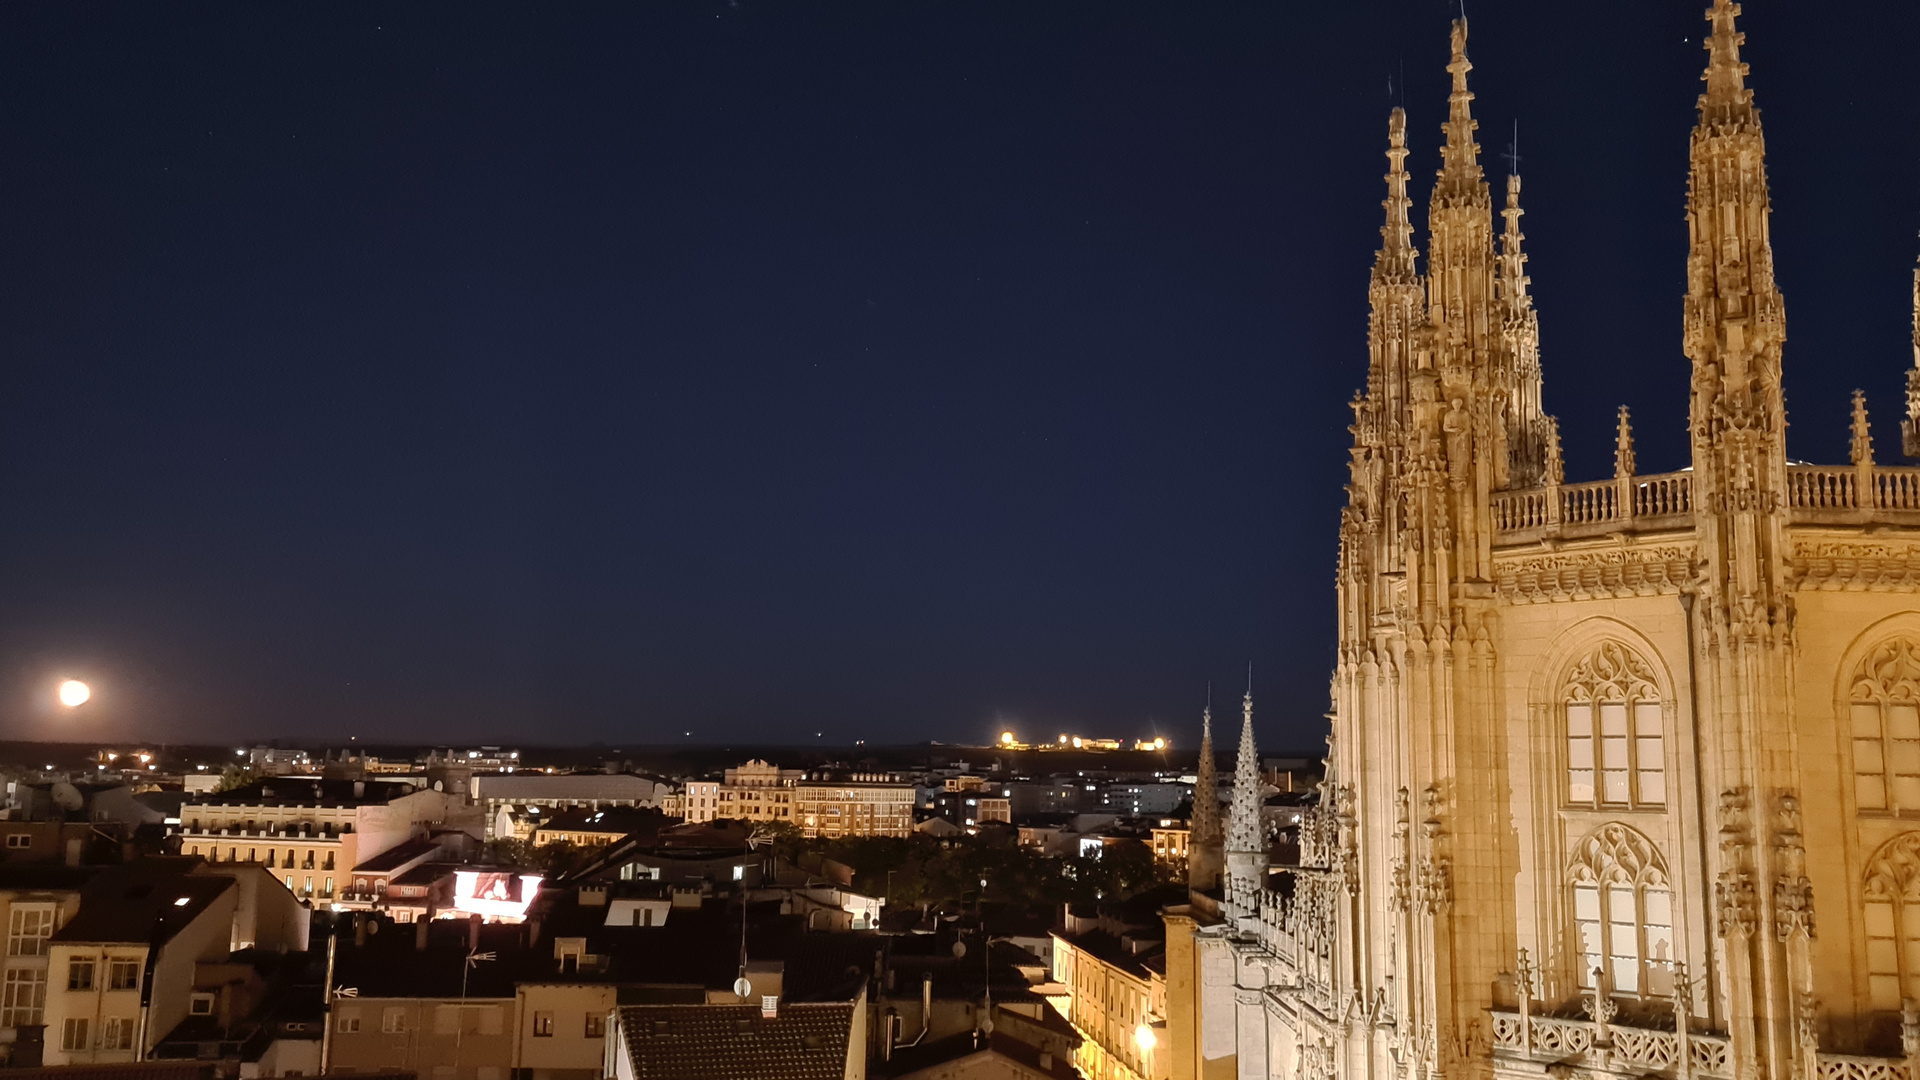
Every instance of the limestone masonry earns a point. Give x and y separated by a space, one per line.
1624 775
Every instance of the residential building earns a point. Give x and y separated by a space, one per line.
596 828
1113 968
516 793
1170 836
1600 751
413 1001
35 901
825 803
123 971
972 801
310 832
855 804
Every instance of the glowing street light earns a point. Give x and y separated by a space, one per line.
1144 1037
74 693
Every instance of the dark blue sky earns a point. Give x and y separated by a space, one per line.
573 372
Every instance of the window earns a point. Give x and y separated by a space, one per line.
80 975
1616 753
123 975
543 1024
116 1033
1623 913
1893 923
19 840
1886 729
73 1034
393 1020
349 1021
201 1005
28 927
596 1025
23 997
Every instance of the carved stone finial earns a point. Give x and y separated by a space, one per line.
1909 1028
1623 463
1862 432
1556 469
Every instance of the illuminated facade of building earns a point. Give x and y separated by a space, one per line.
1624 774
829 805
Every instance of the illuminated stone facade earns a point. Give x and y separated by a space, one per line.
1624 775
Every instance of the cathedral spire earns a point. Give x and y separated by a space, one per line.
1460 157
1395 260
1243 819
1205 836
1726 77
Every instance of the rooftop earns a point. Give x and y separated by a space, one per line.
308 791
145 902
806 1041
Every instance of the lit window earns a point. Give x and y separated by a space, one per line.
1893 923
1886 729
28 927
1623 913
1616 753
23 998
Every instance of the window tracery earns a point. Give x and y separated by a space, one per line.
1884 704
1893 922
1622 911
1614 730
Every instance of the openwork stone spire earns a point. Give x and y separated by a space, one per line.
1243 819
1206 836
1394 262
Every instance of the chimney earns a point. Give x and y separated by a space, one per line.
420 934
359 931
359 789
533 931
473 932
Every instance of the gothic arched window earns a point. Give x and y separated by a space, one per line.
1893 922
1885 710
1615 747
1622 912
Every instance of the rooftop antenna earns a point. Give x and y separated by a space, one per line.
1512 155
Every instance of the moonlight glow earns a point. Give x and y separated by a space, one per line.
74 692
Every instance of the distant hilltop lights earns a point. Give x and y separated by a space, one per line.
1008 741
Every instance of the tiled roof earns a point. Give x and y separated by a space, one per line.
307 791
806 1041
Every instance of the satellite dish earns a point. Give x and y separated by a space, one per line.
66 796
959 949
741 987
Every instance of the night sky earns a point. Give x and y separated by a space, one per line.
880 370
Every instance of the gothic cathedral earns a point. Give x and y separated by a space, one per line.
1624 775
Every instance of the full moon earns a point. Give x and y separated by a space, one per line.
74 692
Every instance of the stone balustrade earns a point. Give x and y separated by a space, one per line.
1816 494
1624 1049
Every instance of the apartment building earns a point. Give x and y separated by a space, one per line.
514 794
1113 966
310 832
435 1000
123 971
819 804
34 902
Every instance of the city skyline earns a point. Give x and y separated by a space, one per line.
888 375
